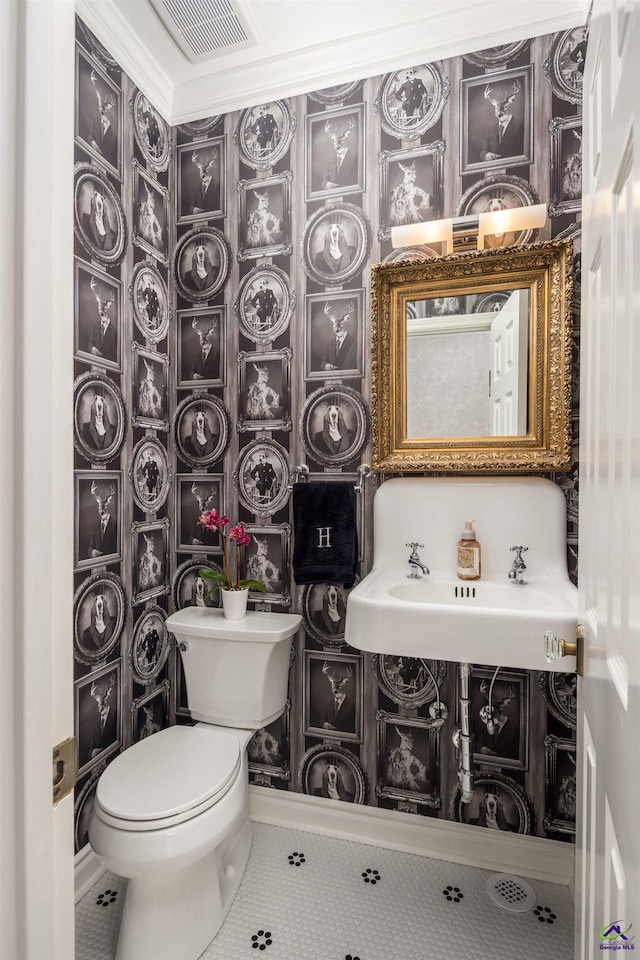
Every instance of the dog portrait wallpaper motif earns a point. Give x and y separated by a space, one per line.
271 217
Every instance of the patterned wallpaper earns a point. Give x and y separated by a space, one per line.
222 320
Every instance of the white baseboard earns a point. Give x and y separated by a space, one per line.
87 871
533 857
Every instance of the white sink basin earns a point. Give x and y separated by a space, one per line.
491 620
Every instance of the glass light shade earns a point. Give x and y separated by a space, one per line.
511 220
415 234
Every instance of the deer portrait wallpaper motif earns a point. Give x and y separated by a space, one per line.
221 319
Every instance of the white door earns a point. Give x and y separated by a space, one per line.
608 845
36 474
509 351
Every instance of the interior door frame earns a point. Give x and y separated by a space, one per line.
36 469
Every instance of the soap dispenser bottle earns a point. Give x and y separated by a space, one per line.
469 566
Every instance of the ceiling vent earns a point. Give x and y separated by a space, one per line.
203 28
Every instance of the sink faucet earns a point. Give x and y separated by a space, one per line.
515 574
415 562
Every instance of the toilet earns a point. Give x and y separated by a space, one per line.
172 812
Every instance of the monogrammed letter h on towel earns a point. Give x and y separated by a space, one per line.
325 546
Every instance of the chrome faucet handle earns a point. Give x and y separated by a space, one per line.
414 546
515 574
519 551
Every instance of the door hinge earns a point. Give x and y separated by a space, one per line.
64 769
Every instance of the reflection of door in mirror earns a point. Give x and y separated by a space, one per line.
467 366
509 353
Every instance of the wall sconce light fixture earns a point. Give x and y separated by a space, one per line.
465 233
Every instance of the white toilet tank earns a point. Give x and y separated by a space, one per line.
236 671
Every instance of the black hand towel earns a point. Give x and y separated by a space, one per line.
324 527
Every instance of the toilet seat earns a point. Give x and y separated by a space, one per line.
169 777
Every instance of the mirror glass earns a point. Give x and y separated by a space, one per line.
467 370
471 361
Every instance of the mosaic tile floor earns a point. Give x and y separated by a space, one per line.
309 897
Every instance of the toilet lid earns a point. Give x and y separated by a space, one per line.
169 773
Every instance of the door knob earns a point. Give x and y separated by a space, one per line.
555 648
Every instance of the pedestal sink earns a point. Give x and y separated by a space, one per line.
490 621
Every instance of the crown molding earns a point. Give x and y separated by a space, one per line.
105 20
182 97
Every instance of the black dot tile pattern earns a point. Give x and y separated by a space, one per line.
109 896
371 876
544 914
261 940
453 894
349 957
296 859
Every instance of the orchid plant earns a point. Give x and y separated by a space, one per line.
214 522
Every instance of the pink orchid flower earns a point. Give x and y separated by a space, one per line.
240 536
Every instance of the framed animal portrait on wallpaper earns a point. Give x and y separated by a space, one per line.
150 301
334 425
150 559
409 759
332 96
411 100
334 152
333 772
151 215
333 335
324 609
201 180
151 131
98 718
150 475
99 608
335 244
333 695
98 317
201 430
566 165
266 559
150 645
197 493
411 186
265 217
150 388
498 803
189 589
265 390
264 303
99 220
200 128
98 418
405 679
262 476
263 134
268 749
202 347
98 114
560 778
98 518
500 718
496 120
150 713
201 263
563 66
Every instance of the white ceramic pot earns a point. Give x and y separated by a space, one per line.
234 603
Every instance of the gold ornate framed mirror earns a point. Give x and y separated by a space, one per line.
471 361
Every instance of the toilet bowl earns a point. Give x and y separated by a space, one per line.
171 813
